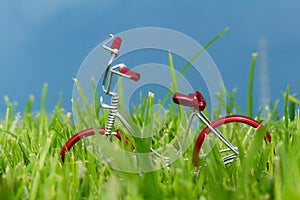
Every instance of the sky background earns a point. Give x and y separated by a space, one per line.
47 41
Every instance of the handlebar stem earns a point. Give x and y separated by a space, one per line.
114 52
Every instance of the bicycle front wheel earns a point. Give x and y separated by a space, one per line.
235 125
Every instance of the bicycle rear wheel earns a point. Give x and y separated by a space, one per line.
79 136
219 124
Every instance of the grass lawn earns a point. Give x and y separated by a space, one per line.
30 165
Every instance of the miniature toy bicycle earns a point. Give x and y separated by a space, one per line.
194 100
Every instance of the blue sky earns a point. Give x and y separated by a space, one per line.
47 41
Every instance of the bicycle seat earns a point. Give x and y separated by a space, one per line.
194 100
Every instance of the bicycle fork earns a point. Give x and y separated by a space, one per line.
207 122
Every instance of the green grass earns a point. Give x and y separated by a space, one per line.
30 165
250 86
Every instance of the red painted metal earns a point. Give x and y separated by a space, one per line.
194 100
133 75
116 43
86 133
75 138
224 120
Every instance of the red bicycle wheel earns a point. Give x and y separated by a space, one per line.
239 119
79 136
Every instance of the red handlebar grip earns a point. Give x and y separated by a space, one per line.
133 75
182 99
195 100
116 43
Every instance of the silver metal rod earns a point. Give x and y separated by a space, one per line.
124 122
114 54
109 83
106 73
217 133
228 162
186 132
225 150
204 116
229 158
158 154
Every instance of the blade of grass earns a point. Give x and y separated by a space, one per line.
57 112
96 98
28 106
286 101
292 110
7 119
232 102
43 126
192 60
277 178
121 94
201 51
43 97
293 99
84 99
274 107
292 105
174 86
38 168
250 86
13 136
274 111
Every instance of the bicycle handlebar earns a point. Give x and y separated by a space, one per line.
116 43
132 74
194 100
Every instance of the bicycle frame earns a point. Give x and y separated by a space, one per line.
115 105
194 100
